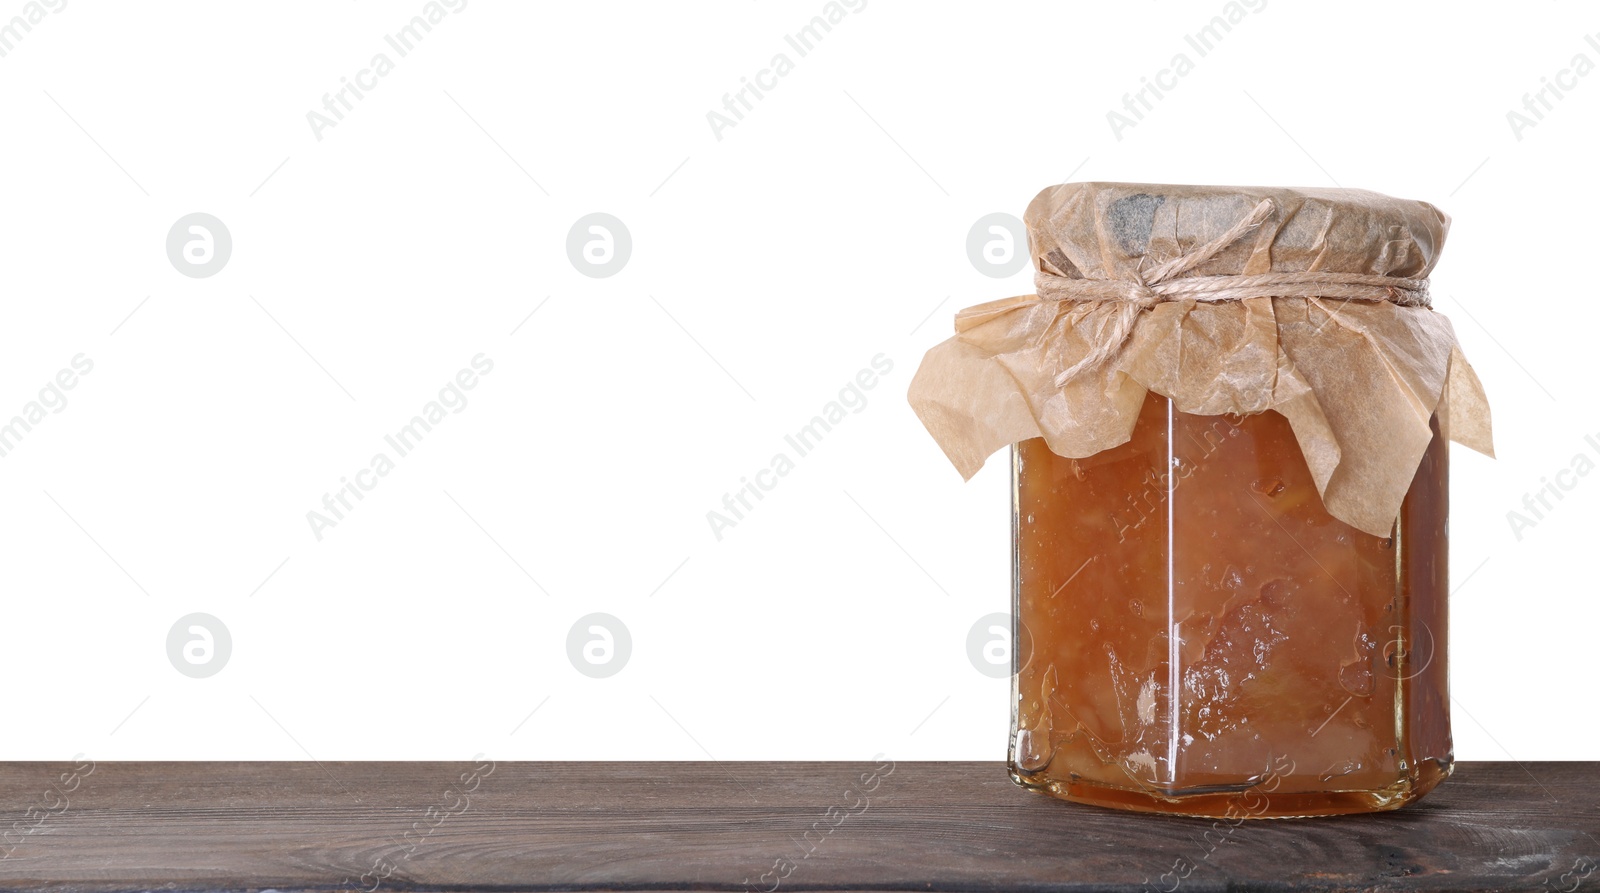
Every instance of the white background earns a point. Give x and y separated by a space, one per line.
768 268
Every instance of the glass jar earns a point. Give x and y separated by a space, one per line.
1228 411
1197 635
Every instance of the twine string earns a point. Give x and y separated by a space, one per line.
1155 286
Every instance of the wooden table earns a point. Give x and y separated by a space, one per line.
748 826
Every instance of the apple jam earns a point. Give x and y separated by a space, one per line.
1197 635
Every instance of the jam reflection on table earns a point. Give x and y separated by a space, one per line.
1200 636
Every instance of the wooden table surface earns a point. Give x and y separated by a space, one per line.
748 827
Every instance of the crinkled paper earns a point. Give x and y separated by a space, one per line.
1358 381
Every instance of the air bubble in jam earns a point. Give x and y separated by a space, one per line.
1269 489
1355 675
1284 628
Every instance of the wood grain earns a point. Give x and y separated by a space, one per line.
722 826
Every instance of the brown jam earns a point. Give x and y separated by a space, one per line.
1197 635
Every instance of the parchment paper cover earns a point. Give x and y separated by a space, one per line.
1357 380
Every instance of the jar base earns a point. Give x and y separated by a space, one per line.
1249 803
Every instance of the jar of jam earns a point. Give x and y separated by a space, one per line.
1228 411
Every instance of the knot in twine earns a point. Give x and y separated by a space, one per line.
1157 286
